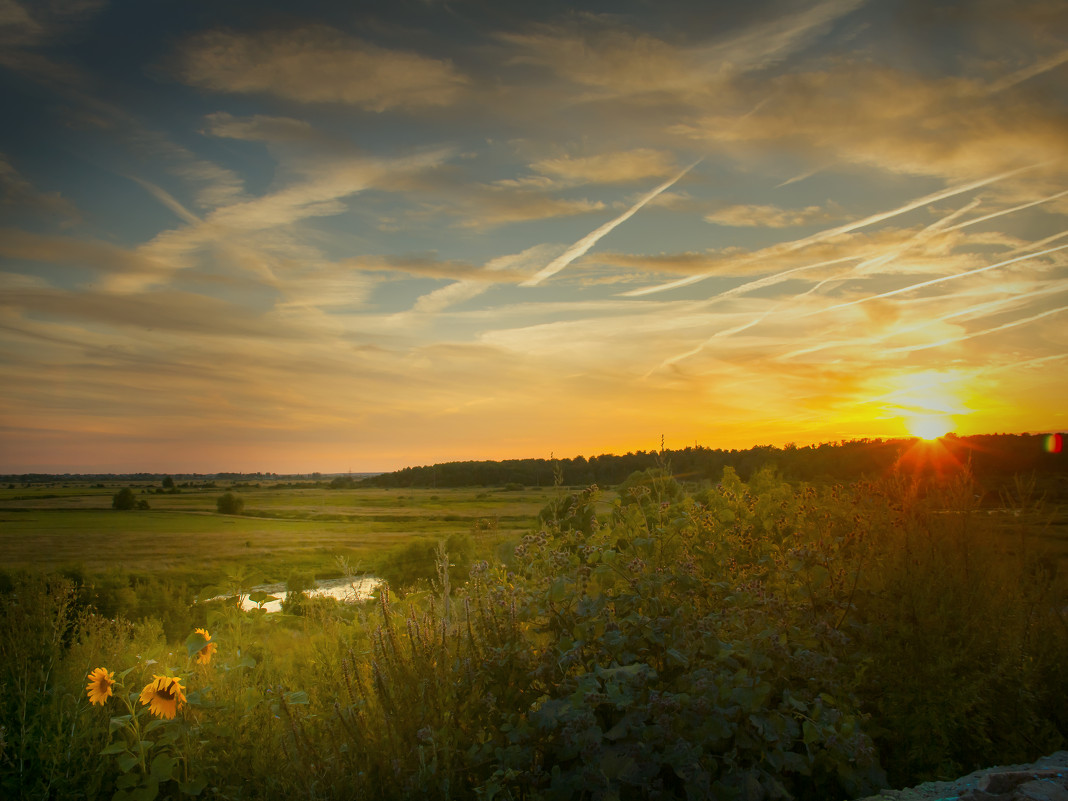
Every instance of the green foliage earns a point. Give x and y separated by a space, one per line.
756 640
124 499
417 561
297 586
230 503
573 512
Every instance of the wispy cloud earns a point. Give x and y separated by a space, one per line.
581 247
318 64
312 240
766 216
941 280
798 244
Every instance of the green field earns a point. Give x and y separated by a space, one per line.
282 527
740 639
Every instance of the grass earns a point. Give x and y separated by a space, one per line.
755 639
282 529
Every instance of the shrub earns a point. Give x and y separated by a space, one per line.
230 504
417 561
124 499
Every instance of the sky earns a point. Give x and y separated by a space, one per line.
330 236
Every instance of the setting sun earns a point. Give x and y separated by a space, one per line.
929 426
372 240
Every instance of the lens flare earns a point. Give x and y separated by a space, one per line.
929 426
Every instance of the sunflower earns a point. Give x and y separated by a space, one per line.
100 685
204 654
163 695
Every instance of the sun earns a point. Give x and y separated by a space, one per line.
929 426
928 403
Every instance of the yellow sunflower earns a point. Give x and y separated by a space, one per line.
164 696
204 654
99 688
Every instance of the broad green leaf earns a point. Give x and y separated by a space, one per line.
194 643
163 767
193 786
678 657
114 748
146 793
820 574
126 762
558 590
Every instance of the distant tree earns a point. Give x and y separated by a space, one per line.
168 483
123 499
230 504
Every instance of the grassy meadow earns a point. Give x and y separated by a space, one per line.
282 528
754 639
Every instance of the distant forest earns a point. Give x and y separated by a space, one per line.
994 458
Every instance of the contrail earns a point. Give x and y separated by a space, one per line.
768 280
167 200
992 215
789 247
934 281
951 340
981 309
583 245
1029 72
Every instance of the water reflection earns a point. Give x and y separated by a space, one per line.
349 588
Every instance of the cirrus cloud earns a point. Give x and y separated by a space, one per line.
318 65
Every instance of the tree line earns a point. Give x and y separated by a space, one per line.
991 457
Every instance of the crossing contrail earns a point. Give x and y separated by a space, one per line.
581 247
933 281
789 247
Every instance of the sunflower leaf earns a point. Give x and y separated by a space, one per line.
114 748
195 642
154 724
126 762
193 786
163 767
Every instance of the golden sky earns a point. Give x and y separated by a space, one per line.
327 236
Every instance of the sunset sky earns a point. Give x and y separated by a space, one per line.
265 236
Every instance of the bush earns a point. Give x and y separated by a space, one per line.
230 504
417 561
297 586
124 499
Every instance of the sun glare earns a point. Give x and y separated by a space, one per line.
929 426
927 403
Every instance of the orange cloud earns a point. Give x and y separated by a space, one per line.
319 65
